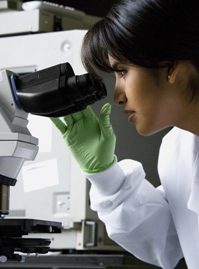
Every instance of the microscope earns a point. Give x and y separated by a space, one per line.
52 92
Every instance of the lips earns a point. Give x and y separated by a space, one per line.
131 114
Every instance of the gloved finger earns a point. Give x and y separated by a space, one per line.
88 112
59 124
104 117
77 116
68 120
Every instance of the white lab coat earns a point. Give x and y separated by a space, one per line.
157 225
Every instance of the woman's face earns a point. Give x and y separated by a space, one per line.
148 100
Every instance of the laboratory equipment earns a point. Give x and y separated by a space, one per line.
54 91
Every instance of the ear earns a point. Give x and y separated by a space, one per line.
173 72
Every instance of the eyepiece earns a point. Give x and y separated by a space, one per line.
86 86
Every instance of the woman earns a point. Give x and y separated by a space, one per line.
152 47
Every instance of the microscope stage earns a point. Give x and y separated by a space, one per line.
11 241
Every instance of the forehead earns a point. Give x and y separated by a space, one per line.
111 59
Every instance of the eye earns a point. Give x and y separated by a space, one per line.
122 72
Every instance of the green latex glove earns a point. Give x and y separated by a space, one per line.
90 139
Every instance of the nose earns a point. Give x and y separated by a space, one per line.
119 95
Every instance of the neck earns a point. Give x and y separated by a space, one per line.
189 119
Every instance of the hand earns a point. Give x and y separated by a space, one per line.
90 139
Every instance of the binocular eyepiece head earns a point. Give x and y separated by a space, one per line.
56 91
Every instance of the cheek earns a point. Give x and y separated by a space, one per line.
151 117
138 92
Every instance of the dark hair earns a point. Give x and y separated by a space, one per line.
145 33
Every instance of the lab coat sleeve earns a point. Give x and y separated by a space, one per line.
135 213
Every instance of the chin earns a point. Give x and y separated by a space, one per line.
147 131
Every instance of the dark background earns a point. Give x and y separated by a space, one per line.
92 7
